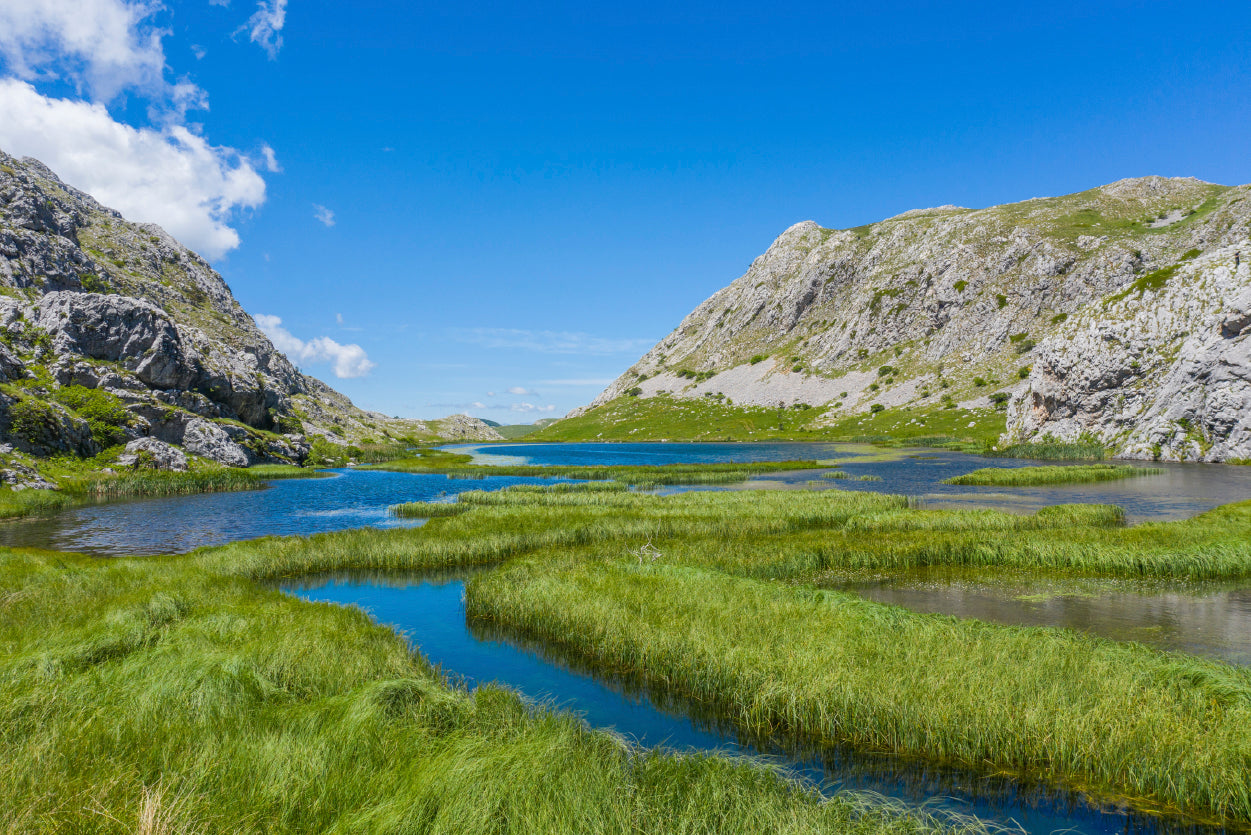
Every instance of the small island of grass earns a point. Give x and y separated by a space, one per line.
1037 476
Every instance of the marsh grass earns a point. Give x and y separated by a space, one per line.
426 510
274 472
15 504
1035 476
1120 718
162 483
1052 451
149 693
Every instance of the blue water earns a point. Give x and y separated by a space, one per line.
177 524
1182 491
431 614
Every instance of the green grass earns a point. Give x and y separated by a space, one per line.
15 504
184 688
639 476
704 419
1054 451
426 510
1033 476
162 483
150 696
274 472
1120 719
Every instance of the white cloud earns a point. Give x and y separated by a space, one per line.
349 360
550 342
323 215
106 46
530 407
198 51
270 159
518 390
169 176
264 27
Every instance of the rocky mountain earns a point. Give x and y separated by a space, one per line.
112 331
1118 314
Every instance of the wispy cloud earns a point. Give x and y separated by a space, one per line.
530 407
519 390
323 215
549 342
270 159
264 27
348 360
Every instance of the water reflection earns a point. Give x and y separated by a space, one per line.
1208 619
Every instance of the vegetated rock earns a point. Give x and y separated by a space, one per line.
18 476
149 453
466 428
40 428
1163 372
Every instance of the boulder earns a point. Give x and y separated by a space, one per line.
149 453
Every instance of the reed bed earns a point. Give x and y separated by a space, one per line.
426 510
274 472
16 504
1049 451
150 696
1037 476
1120 718
161 483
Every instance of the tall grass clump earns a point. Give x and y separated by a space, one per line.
772 658
15 504
162 483
1036 476
427 510
1052 451
274 472
650 476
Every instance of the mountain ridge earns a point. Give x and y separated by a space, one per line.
948 306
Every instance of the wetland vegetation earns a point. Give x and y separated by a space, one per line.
1034 476
186 690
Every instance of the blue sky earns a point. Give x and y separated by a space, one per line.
497 208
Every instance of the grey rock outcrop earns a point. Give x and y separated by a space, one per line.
1162 373
153 454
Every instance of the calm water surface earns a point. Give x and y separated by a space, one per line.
174 525
1180 492
431 614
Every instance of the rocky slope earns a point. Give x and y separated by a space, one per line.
112 331
1111 314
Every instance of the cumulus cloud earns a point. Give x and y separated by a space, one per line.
549 342
264 27
169 176
323 215
106 46
348 360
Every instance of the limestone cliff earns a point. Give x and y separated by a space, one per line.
112 331
1056 307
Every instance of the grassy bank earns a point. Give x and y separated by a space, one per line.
1037 476
1118 718
150 696
708 419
